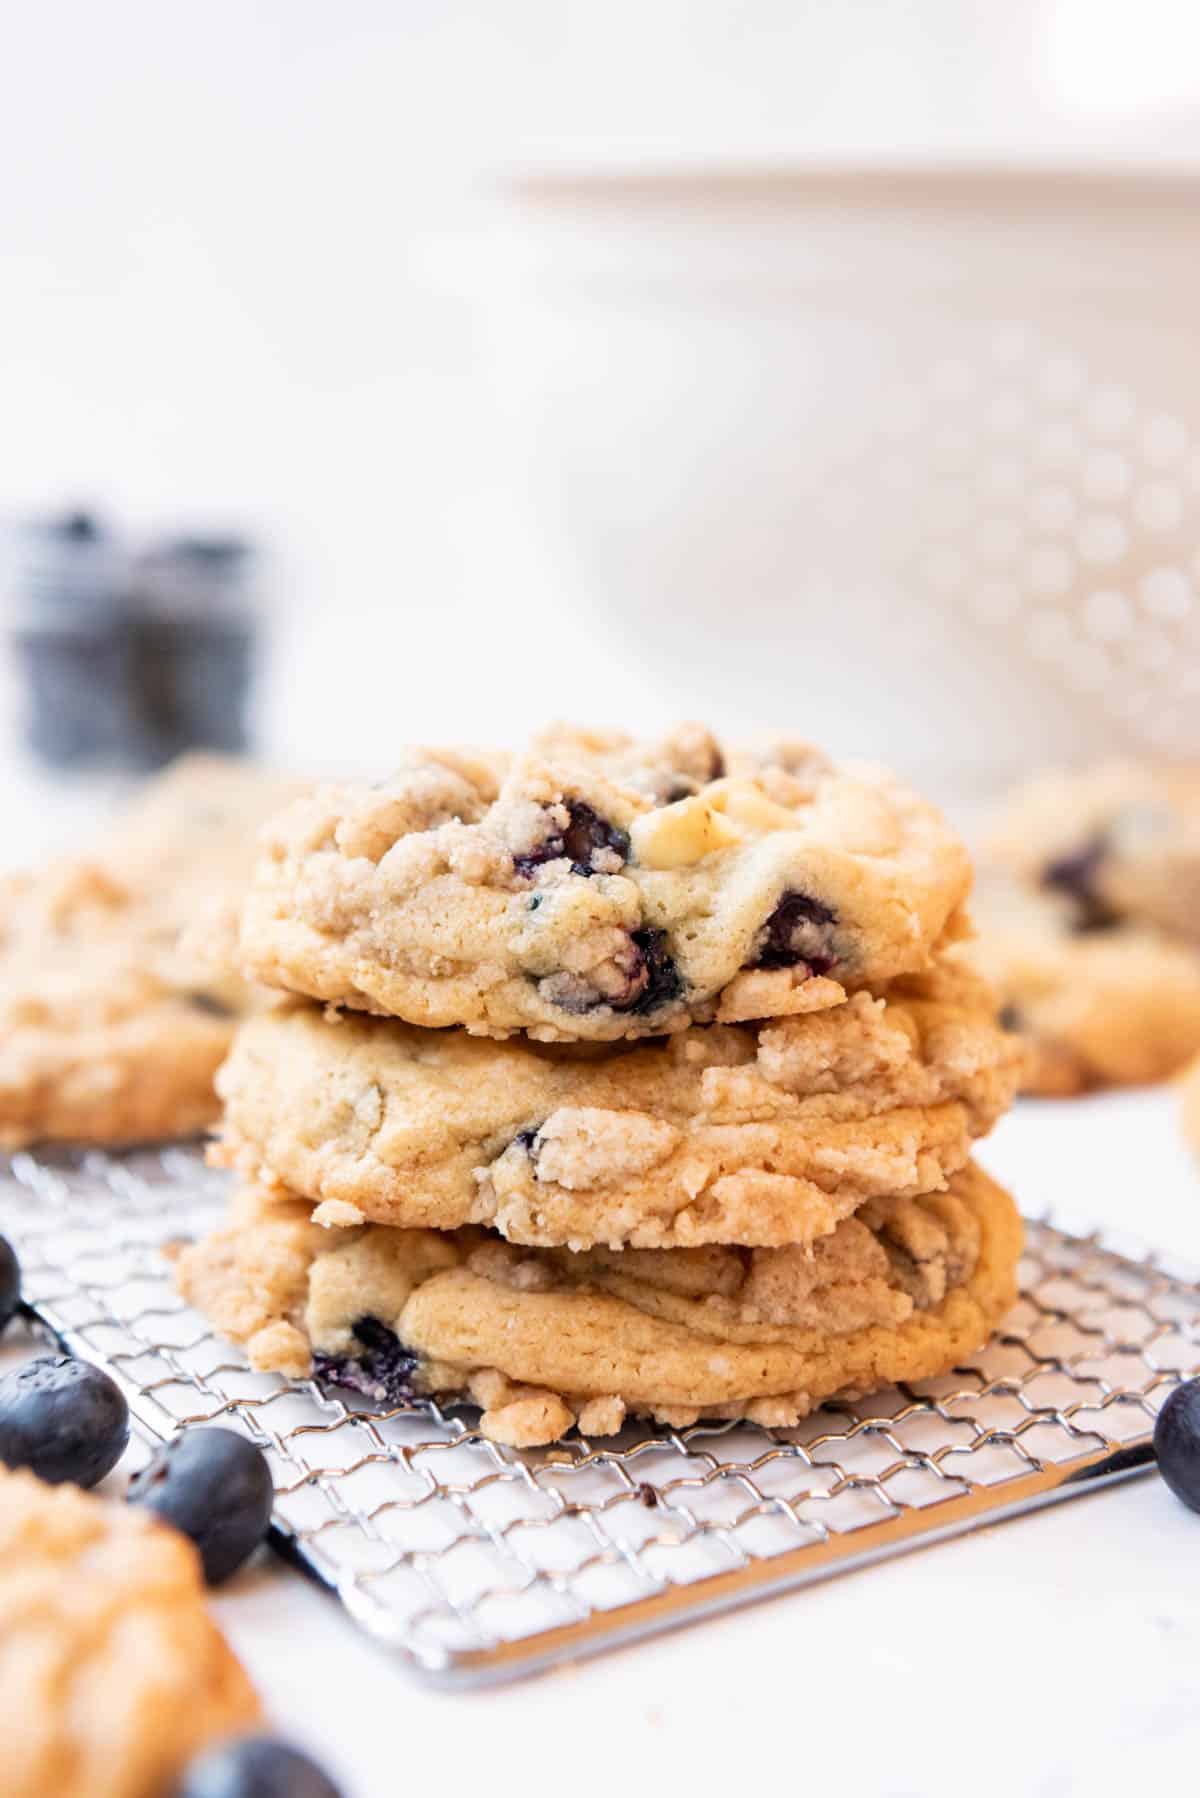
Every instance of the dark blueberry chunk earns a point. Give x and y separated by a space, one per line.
585 832
798 930
1177 1443
210 1006
663 982
382 1372
254 1767
640 978
525 1139
685 785
10 1283
215 1486
1074 876
1010 1017
63 1419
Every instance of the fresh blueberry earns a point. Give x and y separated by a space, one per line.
383 1371
1177 1442
63 1419
10 1283
1074 876
215 1487
255 1767
798 930
585 832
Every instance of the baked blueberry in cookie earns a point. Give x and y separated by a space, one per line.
381 1368
798 930
586 840
1074 876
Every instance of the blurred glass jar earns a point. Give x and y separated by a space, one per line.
193 627
67 629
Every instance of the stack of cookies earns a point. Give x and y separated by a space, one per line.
615 1079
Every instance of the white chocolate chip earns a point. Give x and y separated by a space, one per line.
676 836
747 804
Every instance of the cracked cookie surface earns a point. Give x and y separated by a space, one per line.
118 986
760 1135
111 1668
544 1339
596 888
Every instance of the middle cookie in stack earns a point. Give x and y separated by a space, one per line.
734 1220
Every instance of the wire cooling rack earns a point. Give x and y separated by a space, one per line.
475 1562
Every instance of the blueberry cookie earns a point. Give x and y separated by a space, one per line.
113 1674
754 1134
1116 844
118 987
1189 1104
1118 1006
544 1339
596 888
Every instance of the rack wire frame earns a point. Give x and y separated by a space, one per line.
476 1563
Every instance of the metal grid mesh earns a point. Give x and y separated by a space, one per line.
478 1562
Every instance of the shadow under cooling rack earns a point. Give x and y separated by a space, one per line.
474 1562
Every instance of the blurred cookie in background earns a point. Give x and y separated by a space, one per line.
1112 1005
1189 1104
119 994
109 1657
1117 843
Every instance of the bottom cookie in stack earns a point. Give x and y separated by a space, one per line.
546 1338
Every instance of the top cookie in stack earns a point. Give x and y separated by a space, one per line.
770 1203
596 889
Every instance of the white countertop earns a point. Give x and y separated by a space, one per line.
1050 1655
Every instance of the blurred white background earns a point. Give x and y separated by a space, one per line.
255 264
